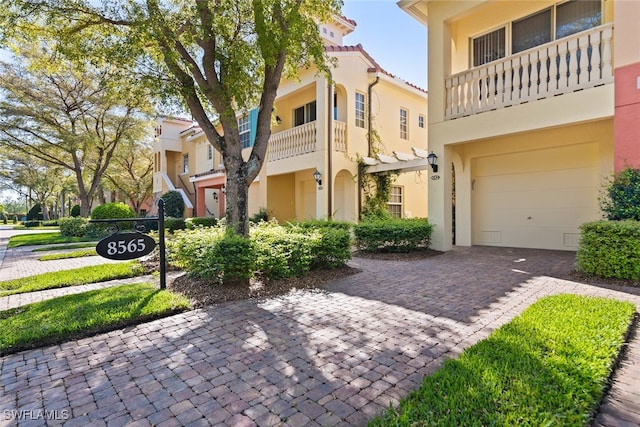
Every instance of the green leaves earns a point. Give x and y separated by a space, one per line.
549 366
610 249
622 196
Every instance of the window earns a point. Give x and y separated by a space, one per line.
185 163
489 47
531 31
420 121
395 202
244 127
360 110
575 16
304 114
556 22
209 151
403 123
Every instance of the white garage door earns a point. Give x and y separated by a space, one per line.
535 199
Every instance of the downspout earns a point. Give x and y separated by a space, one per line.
369 115
369 142
330 148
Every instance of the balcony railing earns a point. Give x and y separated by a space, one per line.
572 63
303 139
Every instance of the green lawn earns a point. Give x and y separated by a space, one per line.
80 315
44 239
547 367
66 255
74 277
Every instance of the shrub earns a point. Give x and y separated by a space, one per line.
35 213
610 249
332 247
398 235
213 253
50 223
109 211
173 204
622 196
73 227
31 224
282 252
321 223
174 224
273 250
75 211
202 221
112 210
260 216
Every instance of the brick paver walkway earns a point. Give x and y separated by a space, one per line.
23 262
334 356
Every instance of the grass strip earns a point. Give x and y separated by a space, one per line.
549 366
81 315
73 277
62 247
74 254
43 239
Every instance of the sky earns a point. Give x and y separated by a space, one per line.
394 39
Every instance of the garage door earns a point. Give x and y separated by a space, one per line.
535 199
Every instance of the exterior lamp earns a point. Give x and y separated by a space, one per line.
318 177
433 161
278 120
215 196
224 189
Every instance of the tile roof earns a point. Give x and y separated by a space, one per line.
376 67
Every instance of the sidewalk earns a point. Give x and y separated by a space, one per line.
333 356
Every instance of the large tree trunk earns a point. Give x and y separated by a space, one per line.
85 205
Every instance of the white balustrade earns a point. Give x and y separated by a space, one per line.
303 139
572 63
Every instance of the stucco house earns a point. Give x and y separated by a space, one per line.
532 106
319 132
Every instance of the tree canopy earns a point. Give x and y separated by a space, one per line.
219 58
69 115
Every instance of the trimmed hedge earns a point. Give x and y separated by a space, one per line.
213 253
73 226
272 250
175 224
398 235
201 221
109 211
610 249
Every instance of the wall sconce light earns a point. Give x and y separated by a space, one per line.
318 177
433 161
278 120
215 196
224 189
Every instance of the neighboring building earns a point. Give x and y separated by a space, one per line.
318 127
532 106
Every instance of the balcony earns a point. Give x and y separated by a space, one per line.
303 139
573 63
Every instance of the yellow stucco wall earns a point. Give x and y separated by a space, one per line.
542 162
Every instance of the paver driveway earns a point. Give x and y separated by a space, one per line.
335 356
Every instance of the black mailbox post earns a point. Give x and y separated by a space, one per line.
123 246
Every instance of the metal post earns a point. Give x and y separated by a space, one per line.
163 268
